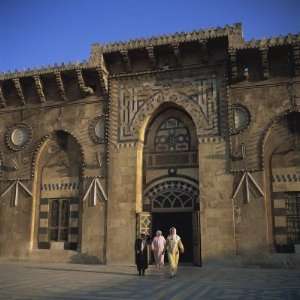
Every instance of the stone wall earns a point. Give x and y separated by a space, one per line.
19 224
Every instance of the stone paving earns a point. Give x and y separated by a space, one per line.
27 280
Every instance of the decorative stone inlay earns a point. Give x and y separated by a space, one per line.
97 129
94 191
18 136
16 186
199 99
241 118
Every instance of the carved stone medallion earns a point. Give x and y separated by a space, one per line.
18 136
97 129
241 118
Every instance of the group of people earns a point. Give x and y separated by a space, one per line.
159 245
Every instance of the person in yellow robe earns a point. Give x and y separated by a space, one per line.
173 247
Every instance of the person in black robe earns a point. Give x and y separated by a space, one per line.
141 254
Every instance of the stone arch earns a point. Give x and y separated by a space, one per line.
42 142
66 184
279 149
168 172
268 129
169 193
144 114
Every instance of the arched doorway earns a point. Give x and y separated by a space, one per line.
170 178
282 152
58 171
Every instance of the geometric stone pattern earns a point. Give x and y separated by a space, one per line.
144 223
198 97
171 194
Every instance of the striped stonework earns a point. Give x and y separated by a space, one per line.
44 239
282 214
73 236
43 234
65 187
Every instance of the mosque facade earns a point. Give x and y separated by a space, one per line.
198 130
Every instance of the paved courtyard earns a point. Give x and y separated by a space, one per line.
24 280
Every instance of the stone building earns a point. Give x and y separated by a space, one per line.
200 130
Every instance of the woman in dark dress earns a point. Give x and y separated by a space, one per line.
141 254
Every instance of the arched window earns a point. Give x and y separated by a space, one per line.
172 136
172 194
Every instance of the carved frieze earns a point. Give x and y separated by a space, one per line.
199 98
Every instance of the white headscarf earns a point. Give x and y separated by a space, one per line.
158 233
174 231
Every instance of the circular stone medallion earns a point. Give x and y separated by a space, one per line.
241 118
97 129
18 136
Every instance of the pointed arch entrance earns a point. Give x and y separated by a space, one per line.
282 170
170 178
57 178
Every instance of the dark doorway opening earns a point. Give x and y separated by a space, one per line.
183 221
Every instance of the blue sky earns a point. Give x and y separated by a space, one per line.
41 32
